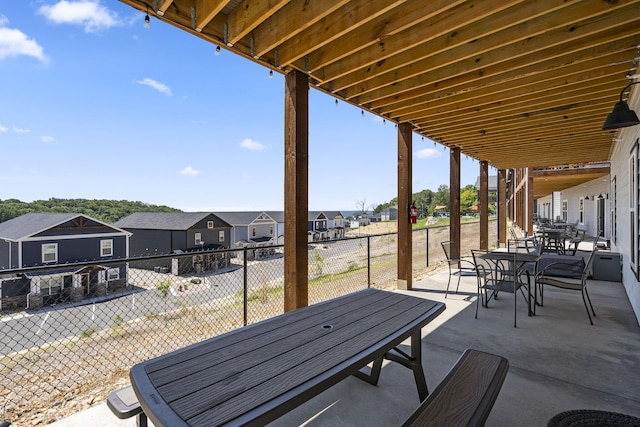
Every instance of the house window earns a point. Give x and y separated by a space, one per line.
106 248
210 225
198 238
221 236
253 232
581 210
113 274
49 252
51 286
565 210
271 230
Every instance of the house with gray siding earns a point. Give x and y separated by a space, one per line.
389 214
54 239
325 225
161 233
253 230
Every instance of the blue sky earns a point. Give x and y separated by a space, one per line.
93 105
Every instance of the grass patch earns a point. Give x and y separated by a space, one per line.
87 333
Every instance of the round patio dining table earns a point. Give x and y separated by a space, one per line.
593 418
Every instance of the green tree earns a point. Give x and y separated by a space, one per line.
441 197
468 197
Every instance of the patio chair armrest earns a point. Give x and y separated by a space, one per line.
561 269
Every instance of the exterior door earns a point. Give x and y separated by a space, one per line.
600 219
84 281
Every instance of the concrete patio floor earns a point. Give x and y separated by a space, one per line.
558 361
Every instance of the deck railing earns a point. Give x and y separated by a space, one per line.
87 323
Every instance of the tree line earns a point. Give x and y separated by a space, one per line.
108 211
427 200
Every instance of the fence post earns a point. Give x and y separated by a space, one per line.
245 294
368 261
427 230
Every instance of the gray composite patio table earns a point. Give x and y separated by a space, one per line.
255 374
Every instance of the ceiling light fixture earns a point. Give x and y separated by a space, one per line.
147 20
622 116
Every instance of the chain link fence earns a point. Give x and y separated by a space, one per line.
77 328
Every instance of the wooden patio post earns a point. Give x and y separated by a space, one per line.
405 171
529 202
502 206
296 190
454 196
483 205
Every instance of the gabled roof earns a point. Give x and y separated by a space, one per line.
333 214
278 216
314 215
242 217
163 220
27 225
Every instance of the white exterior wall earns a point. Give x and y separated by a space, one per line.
620 171
592 189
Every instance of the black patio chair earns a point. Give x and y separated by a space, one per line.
574 241
567 276
458 266
499 272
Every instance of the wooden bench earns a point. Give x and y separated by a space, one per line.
124 404
466 395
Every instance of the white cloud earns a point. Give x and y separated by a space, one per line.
46 139
88 13
14 43
189 171
20 130
3 129
160 87
250 144
428 153
3 20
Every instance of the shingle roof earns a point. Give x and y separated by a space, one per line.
32 223
241 217
162 220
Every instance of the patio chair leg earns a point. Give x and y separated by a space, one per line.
448 283
586 294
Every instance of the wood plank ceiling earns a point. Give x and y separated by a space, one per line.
516 83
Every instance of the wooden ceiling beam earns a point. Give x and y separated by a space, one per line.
206 10
522 109
514 72
532 87
291 20
161 6
444 25
561 173
349 17
458 35
558 42
499 123
248 16
410 13
533 126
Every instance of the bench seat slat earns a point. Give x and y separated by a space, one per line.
467 393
